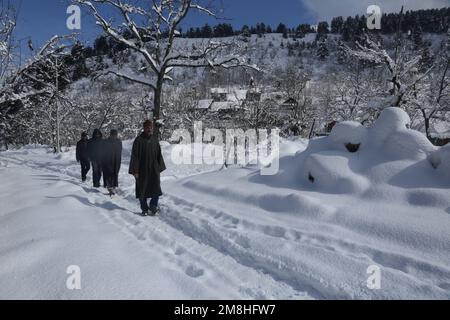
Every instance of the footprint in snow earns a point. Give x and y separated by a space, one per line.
194 272
179 251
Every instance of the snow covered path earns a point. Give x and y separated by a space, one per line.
49 221
222 234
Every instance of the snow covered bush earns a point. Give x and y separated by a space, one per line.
331 172
440 160
391 120
347 134
388 152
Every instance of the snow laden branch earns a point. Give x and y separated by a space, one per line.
8 20
153 32
403 71
210 54
14 88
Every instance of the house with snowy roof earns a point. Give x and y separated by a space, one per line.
228 99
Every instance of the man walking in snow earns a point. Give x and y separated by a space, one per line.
112 159
82 156
95 152
146 164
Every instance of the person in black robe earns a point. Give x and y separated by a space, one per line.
82 156
112 161
95 152
146 165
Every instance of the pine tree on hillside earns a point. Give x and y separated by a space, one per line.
341 53
337 25
417 38
426 60
322 49
281 28
246 31
322 27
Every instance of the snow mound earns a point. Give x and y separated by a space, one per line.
440 160
408 144
391 120
353 158
348 134
331 172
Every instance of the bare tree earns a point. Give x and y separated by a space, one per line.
154 31
403 71
293 83
259 114
433 96
31 81
7 25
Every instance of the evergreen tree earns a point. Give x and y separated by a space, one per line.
417 38
426 60
207 31
101 46
246 31
322 28
336 25
341 53
281 29
322 49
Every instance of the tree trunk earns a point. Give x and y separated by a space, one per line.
157 98
427 124
58 136
427 128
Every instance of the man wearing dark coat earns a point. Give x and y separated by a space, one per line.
95 152
112 159
82 156
146 165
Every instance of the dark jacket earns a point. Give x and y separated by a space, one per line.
95 147
82 151
147 161
112 159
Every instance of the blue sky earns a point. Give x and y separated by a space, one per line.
41 19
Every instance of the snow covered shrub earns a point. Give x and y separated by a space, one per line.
348 135
391 120
353 157
330 171
391 132
440 160
408 144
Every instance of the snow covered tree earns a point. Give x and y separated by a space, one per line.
259 114
349 92
294 83
433 96
341 53
417 38
322 49
7 25
155 29
29 84
403 71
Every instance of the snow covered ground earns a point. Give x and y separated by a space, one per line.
309 232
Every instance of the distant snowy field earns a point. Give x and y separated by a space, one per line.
309 232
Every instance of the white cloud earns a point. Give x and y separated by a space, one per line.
327 9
